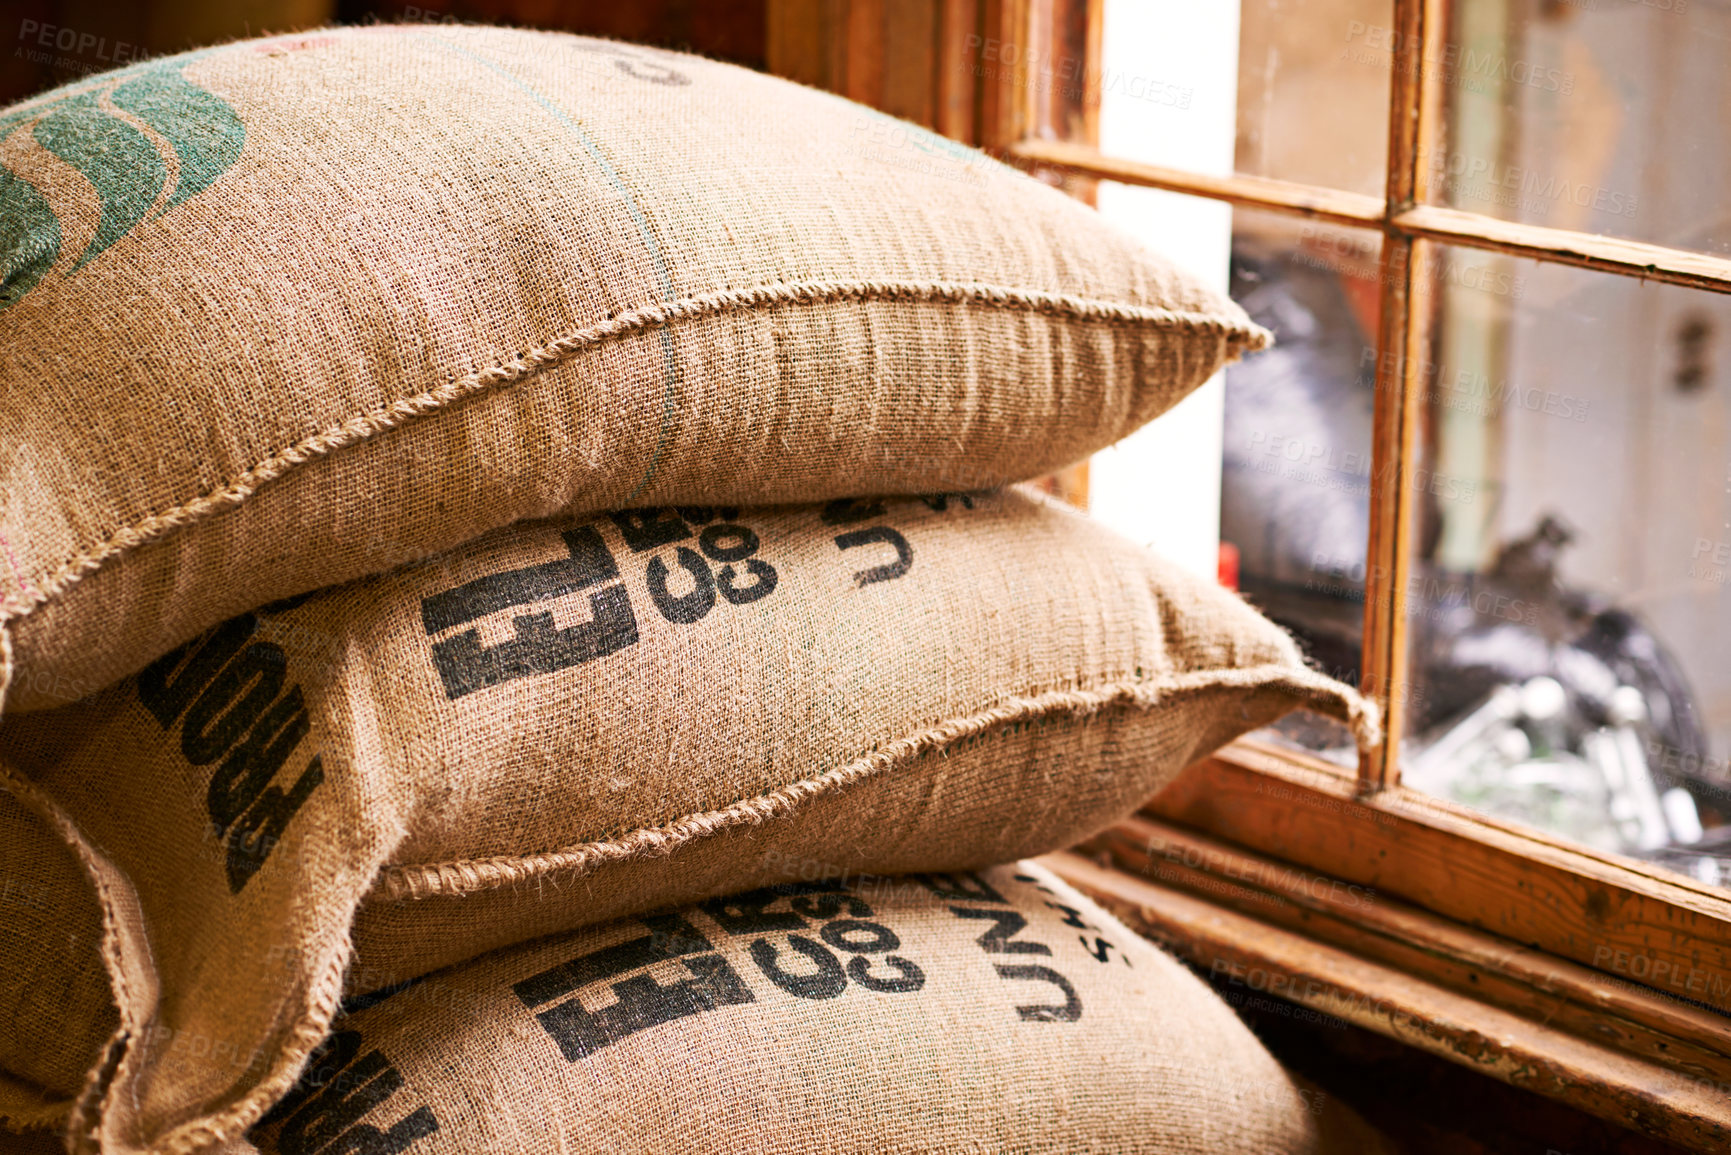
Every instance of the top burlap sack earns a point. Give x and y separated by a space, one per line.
287 312
562 723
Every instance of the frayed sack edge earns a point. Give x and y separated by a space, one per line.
126 951
1235 339
133 981
408 882
28 1106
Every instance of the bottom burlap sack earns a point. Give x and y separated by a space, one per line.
991 1012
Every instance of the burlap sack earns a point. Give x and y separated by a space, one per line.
992 1012
56 1013
564 723
288 312
30 1143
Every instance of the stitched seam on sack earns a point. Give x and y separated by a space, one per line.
650 240
306 1032
324 994
364 426
424 880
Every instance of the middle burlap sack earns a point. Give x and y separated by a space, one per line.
564 723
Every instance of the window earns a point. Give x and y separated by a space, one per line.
1496 231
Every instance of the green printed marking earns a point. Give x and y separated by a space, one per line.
116 158
122 164
670 360
206 134
29 237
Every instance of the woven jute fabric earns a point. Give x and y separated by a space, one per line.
570 721
30 1143
987 1012
56 1012
283 313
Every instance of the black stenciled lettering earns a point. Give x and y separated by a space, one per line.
644 1003
323 1108
1101 949
830 904
641 1001
1044 1013
1007 924
261 828
747 913
670 936
365 1139
851 511
726 543
701 514
714 542
909 977
762 586
167 697
589 563
1072 916
964 886
340 1105
828 981
647 529
336 1052
731 543
686 608
226 691
857 936
939 502
216 720
889 570
465 666
250 766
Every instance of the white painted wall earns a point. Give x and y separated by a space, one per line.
1170 97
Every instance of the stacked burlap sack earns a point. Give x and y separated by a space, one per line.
435 583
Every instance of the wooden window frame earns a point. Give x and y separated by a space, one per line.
1594 979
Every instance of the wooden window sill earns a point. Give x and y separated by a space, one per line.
1480 942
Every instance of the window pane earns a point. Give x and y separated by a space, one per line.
1295 491
1313 79
1166 98
1570 645
1605 116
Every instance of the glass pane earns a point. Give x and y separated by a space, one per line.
1570 641
1166 98
1313 79
1596 115
1295 491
